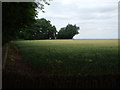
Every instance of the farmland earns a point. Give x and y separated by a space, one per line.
62 64
71 57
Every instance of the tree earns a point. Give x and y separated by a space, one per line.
68 32
41 29
52 32
16 16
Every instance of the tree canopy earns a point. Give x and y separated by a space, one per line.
18 21
41 29
17 16
68 32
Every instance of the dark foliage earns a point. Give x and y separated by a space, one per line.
68 32
41 29
15 16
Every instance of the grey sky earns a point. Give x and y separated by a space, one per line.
96 18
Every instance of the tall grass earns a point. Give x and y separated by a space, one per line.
71 57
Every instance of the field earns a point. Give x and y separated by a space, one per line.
62 64
71 57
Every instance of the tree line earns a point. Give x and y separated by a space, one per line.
18 22
43 29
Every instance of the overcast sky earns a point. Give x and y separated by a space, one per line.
96 18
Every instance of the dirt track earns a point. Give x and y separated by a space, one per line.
14 63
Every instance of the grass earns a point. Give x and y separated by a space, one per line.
71 57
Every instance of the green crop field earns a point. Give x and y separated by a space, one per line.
71 57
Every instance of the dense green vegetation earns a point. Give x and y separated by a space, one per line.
16 16
71 57
19 23
68 32
41 29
